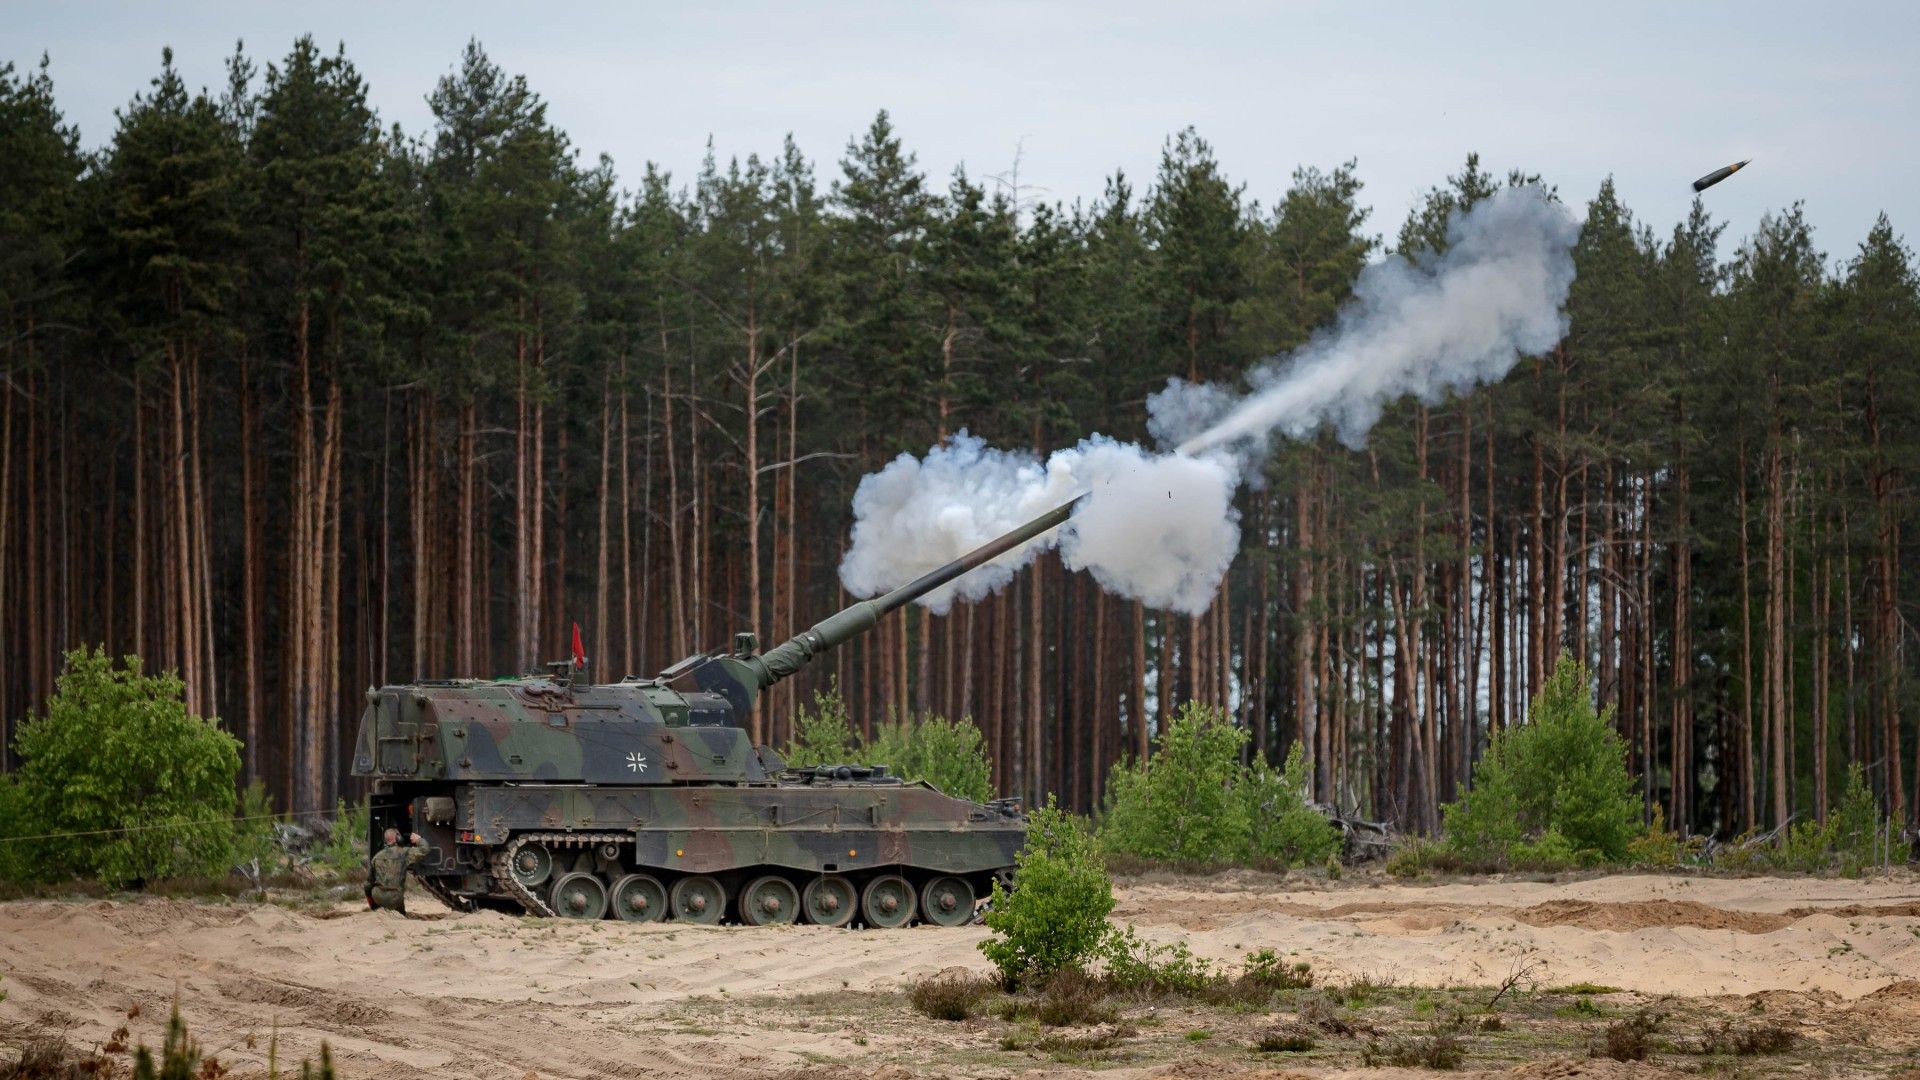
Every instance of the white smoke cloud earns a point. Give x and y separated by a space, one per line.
917 514
1426 327
1161 527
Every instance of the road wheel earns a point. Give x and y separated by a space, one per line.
639 898
532 865
769 901
887 902
830 901
699 899
578 895
947 901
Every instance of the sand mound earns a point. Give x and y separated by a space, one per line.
1622 917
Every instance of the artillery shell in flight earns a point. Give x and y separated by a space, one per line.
1718 175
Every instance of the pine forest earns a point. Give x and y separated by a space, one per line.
296 403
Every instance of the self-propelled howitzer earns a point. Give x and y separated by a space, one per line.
645 799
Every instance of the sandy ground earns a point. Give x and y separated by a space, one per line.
487 995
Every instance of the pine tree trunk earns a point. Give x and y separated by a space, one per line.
604 534
252 678
756 719
1137 707
675 548
466 657
1743 765
187 627
1680 810
1822 666
1305 716
6 534
1776 686
1035 705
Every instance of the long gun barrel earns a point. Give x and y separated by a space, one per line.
793 654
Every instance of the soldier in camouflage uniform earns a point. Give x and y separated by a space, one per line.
387 877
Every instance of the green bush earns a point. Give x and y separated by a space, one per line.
1194 802
1264 967
253 830
1056 916
1848 842
16 820
1563 772
949 754
1854 830
1551 852
118 755
1283 827
1415 856
1181 804
1135 964
822 735
346 847
1658 846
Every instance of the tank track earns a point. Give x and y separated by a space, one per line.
445 895
502 863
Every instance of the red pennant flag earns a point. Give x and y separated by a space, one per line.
579 651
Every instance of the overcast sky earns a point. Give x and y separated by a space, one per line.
1823 96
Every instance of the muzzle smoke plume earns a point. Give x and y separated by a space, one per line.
1160 527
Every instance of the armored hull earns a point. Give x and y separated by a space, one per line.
635 801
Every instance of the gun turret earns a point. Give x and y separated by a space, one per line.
739 677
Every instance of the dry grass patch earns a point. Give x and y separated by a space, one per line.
951 995
1628 1040
1285 1039
1747 1040
1441 1047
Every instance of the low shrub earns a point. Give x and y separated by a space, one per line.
1325 1015
1550 852
1361 991
1628 1040
951 996
1193 804
1417 857
345 852
256 848
1285 830
117 755
1264 967
1135 965
822 735
1084 1047
1746 1040
1285 1039
1067 998
1179 805
1072 998
1564 772
1056 917
949 754
1659 848
1441 1047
